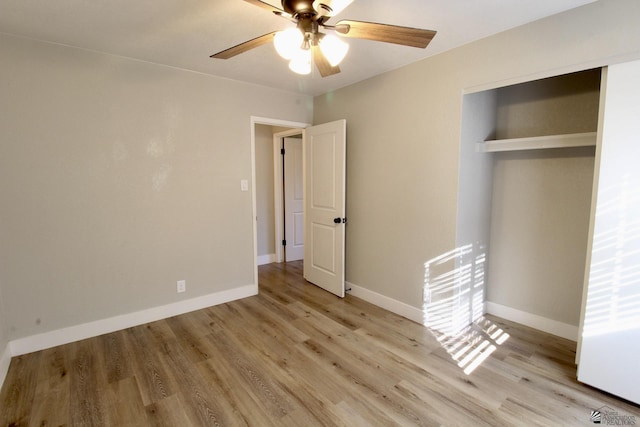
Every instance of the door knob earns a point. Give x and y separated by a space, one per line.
337 220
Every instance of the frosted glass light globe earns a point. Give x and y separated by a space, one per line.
288 42
301 62
333 49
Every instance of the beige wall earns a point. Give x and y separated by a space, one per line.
539 229
403 132
5 355
4 329
552 106
118 178
475 184
264 190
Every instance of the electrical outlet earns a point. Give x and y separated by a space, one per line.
182 286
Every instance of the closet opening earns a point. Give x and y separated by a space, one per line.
526 173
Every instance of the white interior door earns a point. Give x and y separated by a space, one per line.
293 199
324 159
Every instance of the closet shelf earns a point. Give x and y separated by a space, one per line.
538 142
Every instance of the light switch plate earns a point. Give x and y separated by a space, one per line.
244 185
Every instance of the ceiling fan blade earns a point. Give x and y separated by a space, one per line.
268 7
243 47
325 68
405 36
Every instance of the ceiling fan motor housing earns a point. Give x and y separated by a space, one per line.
309 28
297 7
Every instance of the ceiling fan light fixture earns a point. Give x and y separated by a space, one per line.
306 46
288 42
301 62
333 49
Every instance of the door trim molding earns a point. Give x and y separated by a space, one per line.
277 188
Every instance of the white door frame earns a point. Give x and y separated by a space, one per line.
277 187
269 122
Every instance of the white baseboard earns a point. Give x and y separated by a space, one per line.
266 259
104 326
550 326
5 361
394 306
544 324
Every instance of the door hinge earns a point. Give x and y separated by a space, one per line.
282 151
284 243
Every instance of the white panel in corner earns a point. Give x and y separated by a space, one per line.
610 341
587 139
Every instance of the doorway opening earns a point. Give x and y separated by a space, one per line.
267 185
288 195
323 154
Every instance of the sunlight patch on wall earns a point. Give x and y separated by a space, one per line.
613 302
454 289
453 306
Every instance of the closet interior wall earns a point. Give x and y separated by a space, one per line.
541 198
524 213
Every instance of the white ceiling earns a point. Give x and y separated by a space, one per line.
183 33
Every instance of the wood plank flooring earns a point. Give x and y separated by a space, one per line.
295 355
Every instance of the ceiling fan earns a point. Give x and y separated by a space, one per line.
304 44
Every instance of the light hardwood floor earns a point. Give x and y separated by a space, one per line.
295 355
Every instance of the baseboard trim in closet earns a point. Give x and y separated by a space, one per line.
550 326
